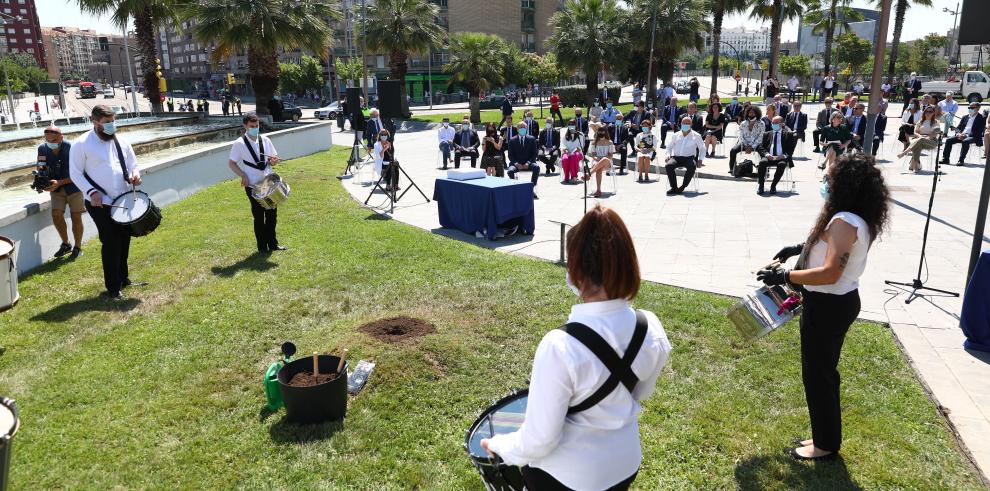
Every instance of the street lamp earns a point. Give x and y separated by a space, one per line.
738 62
9 19
955 27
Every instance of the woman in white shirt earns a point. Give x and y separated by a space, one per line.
645 143
603 149
576 434
384 155
855 213
571 159
925 137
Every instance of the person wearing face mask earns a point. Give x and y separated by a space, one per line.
549 143
796 121
714 130
446 136
925 137
636 116
778 148
104 166
466 144
880 126
532 125
687 150
252 157
831 261
491 151
837 138
749 141
912 87
949 108
733 111
670 117
821 122
697 122
373 127
909 119
54 155
507 131
610 113
573 152
645 149
580 431
618 132
857 126
522 155
594 117
969 131
582 125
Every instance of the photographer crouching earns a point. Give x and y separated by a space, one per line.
53 167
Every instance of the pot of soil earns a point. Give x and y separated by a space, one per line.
313 398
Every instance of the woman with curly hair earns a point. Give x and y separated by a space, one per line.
854 215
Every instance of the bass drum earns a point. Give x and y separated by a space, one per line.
136 210
9 295
505 416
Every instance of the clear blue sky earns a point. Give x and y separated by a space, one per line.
919 21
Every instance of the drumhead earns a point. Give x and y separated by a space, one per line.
6 246
505 416
8 421
133 206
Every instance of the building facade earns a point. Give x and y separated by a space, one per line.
74 53
748 42
22 34
810 43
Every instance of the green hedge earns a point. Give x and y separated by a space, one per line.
574 95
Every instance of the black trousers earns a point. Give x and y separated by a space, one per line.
550 160
761 171
457 158
817 136
687 162
664 128
539 480
824 324
966 142
623 154
555 113
264 224
115 240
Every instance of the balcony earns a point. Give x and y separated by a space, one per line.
529 4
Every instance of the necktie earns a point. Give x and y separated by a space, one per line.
616 138
549 139
464 139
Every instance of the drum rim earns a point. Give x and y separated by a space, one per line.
515 394
13 247
9 404
136 191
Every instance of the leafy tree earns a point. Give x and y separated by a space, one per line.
719 9
776 11
261 27
477 61
289 77
350 71
548 70
401 28
853 50
587 34
682 28
925 56
23 71
823 15
900 10
310 73
797 65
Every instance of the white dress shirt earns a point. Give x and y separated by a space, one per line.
98 159
574 145
379 154
598 447
689 145
969 126
239 153
446 134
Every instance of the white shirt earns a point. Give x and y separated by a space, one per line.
828 82
574 145
690 145
98 159
379 154
792 83
778 144
849 280
446 134
239 153
885 87
598 447
969 125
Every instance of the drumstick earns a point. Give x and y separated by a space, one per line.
772 265
118 206
340 366
316 364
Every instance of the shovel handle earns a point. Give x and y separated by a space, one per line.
340 365
316 363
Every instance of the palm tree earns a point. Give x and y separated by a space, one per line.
823 17
680 26
401 28
719 9
147 15
777 11
586 35
900 10
477 61
261 27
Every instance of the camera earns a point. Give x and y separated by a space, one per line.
42 178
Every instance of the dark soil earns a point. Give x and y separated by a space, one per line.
306 379
398 329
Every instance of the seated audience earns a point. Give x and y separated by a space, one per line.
644 151
603 149
714 129
837 138
751 132
573 152
549 146
969 132
925 137
686 150
778 147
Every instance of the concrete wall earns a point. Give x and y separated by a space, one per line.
166 182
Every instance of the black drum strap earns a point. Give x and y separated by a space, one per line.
620 368
120 158
259 164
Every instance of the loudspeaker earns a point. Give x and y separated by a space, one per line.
972 22
392 101
354 108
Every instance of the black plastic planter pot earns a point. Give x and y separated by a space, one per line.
318 403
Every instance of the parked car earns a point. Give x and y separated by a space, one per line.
328 112
291 111
682 86
491 102
108 93
973 85
118 109
178 93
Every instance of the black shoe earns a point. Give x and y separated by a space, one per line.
512 231
960 163
76 252
821 167
126 283
622 172
760 192
671 191
63 250
680 190
663 145
793 453
535 196
817 150
114 296
277 247
773 191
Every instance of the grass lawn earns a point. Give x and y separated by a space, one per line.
495 115
164 390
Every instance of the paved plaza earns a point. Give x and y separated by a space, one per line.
715 238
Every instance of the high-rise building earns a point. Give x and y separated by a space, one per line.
749 43
74 53
22 35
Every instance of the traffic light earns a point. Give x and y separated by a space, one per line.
230 79
162 87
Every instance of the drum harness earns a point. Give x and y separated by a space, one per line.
620 368
123 168
258 164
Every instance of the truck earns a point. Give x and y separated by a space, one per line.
974 86
87 90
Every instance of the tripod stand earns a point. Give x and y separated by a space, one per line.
916 284
391 194
355 156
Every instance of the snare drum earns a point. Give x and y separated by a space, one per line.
8 275
135 210
762 311
505 416
270 191
8 428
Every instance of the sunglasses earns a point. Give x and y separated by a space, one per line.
51 132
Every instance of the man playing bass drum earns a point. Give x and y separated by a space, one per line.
251 158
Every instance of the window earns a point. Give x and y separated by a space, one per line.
30 50
20 2
6 11
529 4
29 41
380 61
11 30
528 20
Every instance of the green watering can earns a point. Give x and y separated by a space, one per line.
272 393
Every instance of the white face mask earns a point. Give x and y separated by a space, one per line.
571 285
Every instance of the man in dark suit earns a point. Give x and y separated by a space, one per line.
697 122
549 146
532 125
821 123
506 109
879 128
968 132
796 121
619 133
637 116
783 107
912 88
374 125
507 131
857 126
778 148
581 124
733 111
522 155
671 116
466 144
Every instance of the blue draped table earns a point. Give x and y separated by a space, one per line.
975 318
476 204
